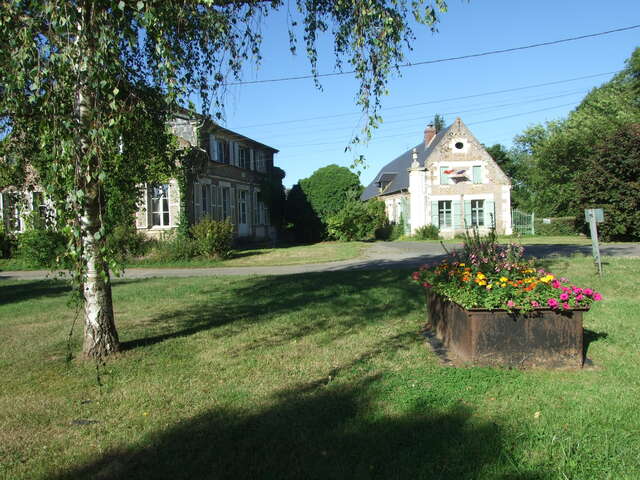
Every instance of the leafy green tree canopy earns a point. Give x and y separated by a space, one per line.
87 87
610 179
558 149
329 188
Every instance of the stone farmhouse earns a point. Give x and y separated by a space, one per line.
224 183
448 180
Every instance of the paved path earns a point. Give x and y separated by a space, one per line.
379 255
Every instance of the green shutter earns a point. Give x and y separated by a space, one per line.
477 174
434 214
444 179
467 214
197 200
489 214
456 214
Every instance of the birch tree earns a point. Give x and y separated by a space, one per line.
87 88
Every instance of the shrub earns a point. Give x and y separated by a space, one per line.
41 248
7 243
558 226
213 238
125 241
172 247
357 221
427 232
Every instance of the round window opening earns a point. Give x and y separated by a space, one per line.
459 145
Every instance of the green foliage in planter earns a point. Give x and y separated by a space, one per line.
213 238
358 221
427 232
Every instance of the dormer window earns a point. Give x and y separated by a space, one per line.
459 145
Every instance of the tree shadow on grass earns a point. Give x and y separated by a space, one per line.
332 302
312 432
23 291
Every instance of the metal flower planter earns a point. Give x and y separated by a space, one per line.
544 337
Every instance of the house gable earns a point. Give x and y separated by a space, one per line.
457 146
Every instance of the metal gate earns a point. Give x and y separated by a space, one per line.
522 222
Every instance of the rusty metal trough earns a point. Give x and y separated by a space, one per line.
544 337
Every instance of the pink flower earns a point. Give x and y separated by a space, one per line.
555 284
552 302
534 304
415 276
566 306
588 292
511 303
426 285
564 297
597 297
577 290
579 297
566 290
564 280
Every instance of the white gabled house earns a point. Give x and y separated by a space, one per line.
448 180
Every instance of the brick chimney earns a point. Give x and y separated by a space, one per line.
429 134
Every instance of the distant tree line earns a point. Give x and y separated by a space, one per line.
591 159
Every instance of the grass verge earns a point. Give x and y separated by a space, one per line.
244 257
306 376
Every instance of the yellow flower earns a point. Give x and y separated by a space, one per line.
503 285
482 282
504 279
489 287
462 265
481 275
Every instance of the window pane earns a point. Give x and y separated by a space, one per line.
156 219
165 217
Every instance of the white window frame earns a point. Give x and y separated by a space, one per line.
442 214
477 212
164 214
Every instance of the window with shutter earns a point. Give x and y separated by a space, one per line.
445 213
477 174
477 213
489 214
434 214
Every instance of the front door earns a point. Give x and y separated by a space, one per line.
243 224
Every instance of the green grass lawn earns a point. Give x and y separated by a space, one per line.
307 376
245 257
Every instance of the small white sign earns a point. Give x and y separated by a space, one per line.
546 220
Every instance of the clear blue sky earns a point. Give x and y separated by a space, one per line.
307 144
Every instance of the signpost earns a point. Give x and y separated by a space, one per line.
594 216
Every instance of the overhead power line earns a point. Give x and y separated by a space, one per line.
405 134
442 60
450 99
